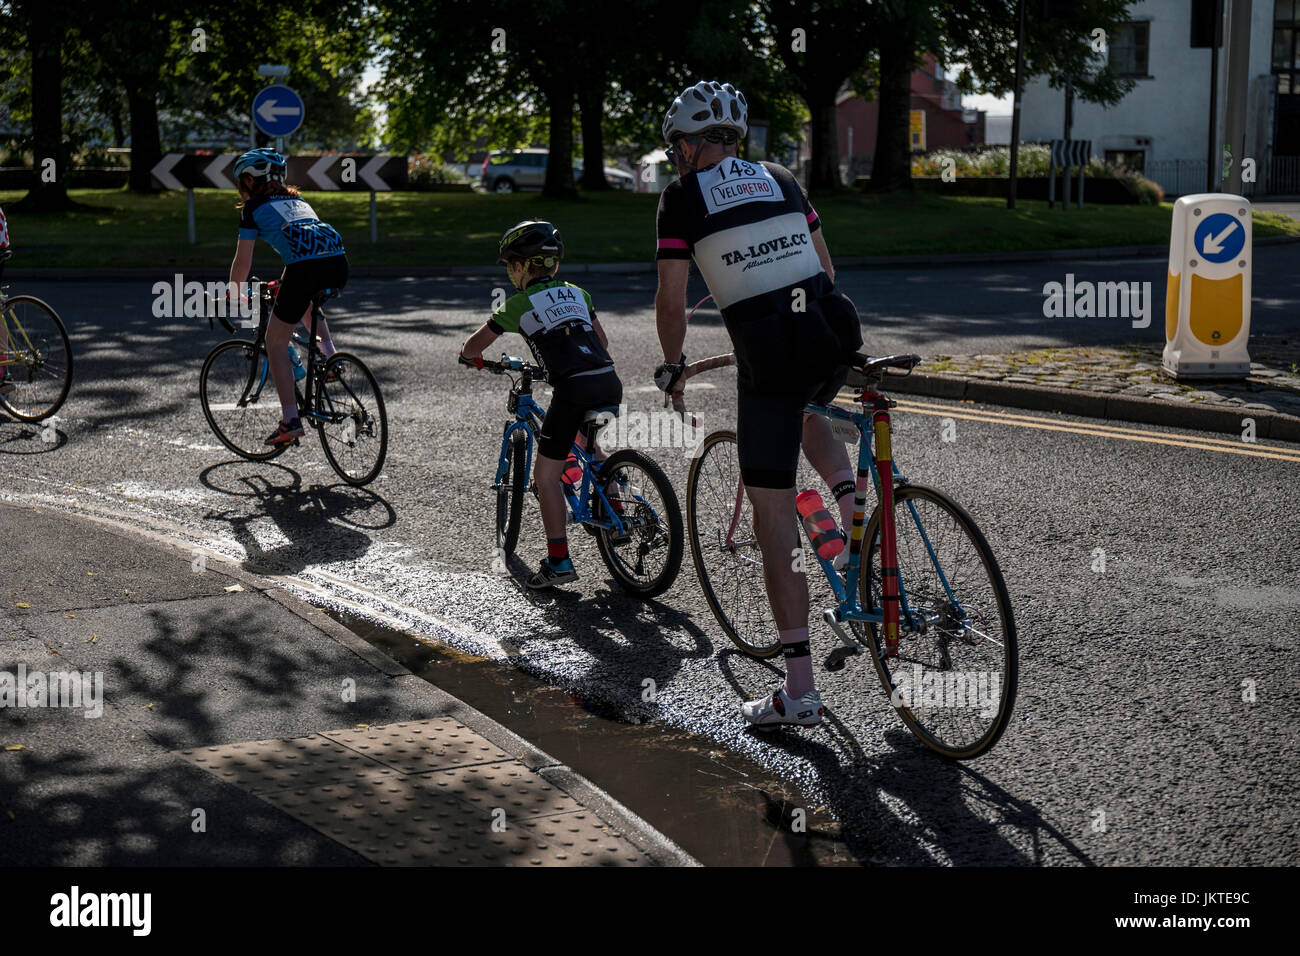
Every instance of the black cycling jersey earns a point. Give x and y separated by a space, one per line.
749 228
555 318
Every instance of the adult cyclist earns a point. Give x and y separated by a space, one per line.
313 256
758 245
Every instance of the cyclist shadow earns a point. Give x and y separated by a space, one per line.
29 438
863 789
322 523
629 641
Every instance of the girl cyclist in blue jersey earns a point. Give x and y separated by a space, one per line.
313 257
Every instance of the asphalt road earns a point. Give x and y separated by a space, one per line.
1131 742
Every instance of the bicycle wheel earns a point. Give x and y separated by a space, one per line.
239 399
647 561
724 548
510 495
39 359
953 679
351 417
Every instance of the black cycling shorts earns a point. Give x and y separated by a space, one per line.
572 398
769 431
302 280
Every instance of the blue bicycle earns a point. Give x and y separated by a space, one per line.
626 501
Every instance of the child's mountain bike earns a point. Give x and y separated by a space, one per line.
626 501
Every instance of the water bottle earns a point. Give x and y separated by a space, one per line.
821 527
299 370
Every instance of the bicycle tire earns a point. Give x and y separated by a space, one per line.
240 419
932 649
41 346
645 525
351 419
510 495
730 577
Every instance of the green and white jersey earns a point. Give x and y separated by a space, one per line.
555 317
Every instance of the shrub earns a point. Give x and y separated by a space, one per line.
426 172
995 161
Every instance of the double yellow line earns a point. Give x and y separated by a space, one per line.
1239 447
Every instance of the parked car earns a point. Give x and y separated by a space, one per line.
508 171
613 175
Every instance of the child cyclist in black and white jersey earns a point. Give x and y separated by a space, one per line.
559 323
314 259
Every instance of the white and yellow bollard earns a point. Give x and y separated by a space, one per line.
1207 301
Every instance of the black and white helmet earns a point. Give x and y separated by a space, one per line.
707 105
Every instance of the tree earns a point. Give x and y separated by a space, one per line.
906 27
821 44
46 28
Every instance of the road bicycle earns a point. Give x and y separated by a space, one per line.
626 502
932 610
35 355
339 397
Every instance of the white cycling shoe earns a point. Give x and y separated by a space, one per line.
779 708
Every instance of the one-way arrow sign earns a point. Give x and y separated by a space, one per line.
277 110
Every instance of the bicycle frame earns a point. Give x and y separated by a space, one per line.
7 337
260 374
529 416
874 457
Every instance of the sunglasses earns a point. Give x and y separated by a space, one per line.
720 137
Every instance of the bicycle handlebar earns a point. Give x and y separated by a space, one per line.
268 291
508 363
864 370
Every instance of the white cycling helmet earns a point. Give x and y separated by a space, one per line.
707 105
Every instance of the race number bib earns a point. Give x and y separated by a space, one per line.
294 210
554 307
734 182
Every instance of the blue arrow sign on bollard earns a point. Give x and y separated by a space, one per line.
1220 237
278 111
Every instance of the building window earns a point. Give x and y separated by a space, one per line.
1133 160
1129 48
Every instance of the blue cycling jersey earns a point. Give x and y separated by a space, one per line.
290 225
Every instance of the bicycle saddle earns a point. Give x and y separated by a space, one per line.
866 368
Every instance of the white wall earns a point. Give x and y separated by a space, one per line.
1172 108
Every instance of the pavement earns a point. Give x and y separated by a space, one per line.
1124 383
207 717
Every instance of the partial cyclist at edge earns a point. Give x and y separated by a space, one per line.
314 260
6 387
758 244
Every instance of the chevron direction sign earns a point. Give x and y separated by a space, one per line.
335 172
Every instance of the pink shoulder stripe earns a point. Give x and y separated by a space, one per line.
672 243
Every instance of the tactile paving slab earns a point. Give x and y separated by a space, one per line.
421 793
417 746
266 765
509 786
